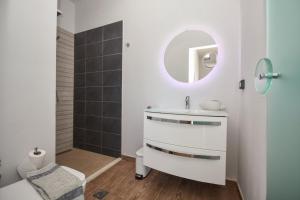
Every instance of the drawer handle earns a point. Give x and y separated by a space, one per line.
207 157
175 121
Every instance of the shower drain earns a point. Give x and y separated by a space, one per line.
101 194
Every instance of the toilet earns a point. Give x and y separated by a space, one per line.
23 189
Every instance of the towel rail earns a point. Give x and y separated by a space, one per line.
206 157
191 122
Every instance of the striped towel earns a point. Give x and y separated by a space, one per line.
54 183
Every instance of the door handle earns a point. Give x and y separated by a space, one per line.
264 75
268 76
191 122
206 157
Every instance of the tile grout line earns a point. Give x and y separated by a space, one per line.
108 70
85 88
102 83
100 41
95 57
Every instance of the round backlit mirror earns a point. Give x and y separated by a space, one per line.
191 56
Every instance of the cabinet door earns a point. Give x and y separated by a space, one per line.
195 164
189 131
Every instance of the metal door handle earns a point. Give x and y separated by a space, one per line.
268 76
207 157
175 121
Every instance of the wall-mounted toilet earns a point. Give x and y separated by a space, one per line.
23 189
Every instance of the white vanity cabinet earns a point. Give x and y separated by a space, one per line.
189 144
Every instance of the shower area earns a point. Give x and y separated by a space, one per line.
89 91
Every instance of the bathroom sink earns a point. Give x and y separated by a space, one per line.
189 143
193 112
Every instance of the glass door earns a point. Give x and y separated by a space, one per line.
283 100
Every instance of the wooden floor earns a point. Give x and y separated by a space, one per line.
120 182
84 161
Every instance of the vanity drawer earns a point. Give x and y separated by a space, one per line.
189 131
195 164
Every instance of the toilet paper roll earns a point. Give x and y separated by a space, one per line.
37 160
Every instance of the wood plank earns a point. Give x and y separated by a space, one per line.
66 43
63 60
65 51
63 75
63 128
65 46
84 161
64 135
66 81
64 84
61 30
66 107
119 181
64 64
67 112
64 88
65 56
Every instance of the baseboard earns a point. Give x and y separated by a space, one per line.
237 185
231 179
102 170
127 156
240 190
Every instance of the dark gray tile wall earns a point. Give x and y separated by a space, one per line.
98 89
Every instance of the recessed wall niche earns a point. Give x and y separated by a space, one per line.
98 89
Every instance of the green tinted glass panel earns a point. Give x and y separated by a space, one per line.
283 101
263 67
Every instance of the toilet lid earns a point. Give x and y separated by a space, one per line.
19 190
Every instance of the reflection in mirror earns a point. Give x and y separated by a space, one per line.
191 56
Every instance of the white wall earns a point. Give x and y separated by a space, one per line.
27 81
67 19
252 150
148 25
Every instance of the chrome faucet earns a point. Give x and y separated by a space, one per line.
187 102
